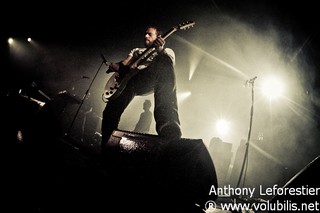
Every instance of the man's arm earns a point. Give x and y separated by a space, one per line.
116 67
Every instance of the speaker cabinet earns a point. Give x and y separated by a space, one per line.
168 174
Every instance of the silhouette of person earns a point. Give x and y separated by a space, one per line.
145 119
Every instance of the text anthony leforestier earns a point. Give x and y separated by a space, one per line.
275 190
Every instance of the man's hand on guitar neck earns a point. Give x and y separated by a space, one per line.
159 44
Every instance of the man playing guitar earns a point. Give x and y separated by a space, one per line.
151 74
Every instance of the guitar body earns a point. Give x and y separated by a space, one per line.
111 86
117 82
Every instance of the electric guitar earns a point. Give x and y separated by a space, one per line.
117 82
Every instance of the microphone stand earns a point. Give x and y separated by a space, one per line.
82 100
245 159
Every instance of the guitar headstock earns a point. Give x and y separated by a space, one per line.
186 25
183 26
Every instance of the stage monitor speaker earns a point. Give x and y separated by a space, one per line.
168 174
305 187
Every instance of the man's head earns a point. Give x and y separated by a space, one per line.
152 32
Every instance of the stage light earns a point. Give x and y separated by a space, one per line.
272 88
183 95
10 40
20 137
222 127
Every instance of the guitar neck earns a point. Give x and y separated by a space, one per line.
167 34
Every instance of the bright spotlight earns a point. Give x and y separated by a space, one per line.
10 40
182 96
222 126
272 88
29 39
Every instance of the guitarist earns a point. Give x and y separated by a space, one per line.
156 75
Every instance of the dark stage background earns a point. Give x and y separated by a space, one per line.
231 42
